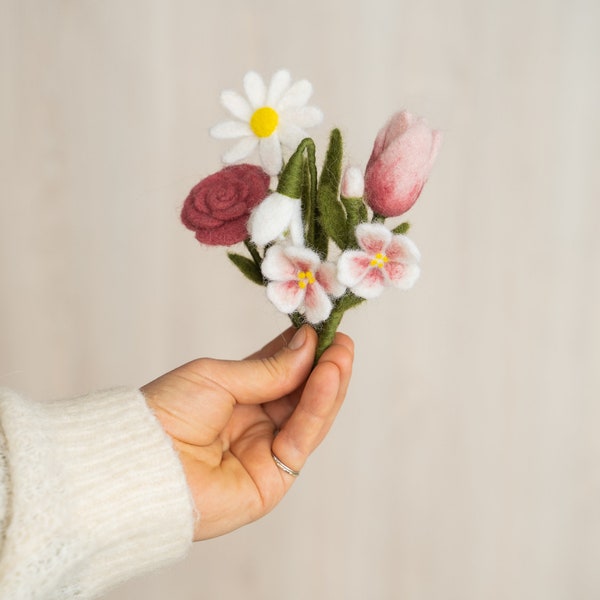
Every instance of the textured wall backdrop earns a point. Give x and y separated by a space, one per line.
466 462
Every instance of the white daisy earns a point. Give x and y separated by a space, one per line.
269 118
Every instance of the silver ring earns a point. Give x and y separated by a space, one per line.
284 467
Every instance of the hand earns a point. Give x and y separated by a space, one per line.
226 417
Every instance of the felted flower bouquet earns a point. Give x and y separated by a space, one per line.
319 243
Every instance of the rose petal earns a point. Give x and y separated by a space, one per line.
287 296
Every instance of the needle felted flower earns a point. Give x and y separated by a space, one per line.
402 157
300 282
275 217
384 259
218 208
267 119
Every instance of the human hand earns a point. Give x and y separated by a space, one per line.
226 418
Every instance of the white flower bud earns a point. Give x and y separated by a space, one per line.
353 183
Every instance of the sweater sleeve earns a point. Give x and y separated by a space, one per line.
91 493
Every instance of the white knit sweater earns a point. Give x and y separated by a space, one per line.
91 493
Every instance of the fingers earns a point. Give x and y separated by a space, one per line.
267 376
320 402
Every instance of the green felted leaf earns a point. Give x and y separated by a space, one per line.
248 267
401 229
291 178
309 195
348 301
356 212
332 216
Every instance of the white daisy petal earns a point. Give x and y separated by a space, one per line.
237 105
255 89
305 116
290 135
241 150
296 96
280 84
228 130
269 149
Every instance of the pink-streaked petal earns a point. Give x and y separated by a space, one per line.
237 105
277 266
296 96
326 276
280 84
269 150
352 266
287 296
403 249
371 285
305 259
228 130
402 277
241 150
255 89
373 237
306 116
317 305
271 218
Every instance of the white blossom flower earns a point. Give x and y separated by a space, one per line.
299 281
275 218
268 119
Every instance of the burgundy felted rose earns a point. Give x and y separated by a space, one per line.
402 157
218 207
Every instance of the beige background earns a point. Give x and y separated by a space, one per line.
466 462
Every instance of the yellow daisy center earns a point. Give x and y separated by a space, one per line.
379 260
305 278
264 121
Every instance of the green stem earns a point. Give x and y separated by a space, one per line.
253 252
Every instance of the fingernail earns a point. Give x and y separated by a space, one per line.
298 340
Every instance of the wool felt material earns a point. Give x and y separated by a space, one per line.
267 119
402 157
92 493
218 208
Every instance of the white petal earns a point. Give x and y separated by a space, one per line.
280 83
327 277
277 266
241 150
296 96
271 218
305 259
255 89
287 296
269 150
373 237
290 135
410 276
352 266
236 105
228 130
371 285
307 116
296 225
317 305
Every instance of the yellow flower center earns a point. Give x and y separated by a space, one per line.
379 260
264 121
305 278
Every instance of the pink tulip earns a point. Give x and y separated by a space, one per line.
402 157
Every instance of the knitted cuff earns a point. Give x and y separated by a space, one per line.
97 494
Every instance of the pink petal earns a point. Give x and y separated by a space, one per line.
277 266
404 277
327 278
303 258
403 249
287 296
317 305
373 238
352 267
371 285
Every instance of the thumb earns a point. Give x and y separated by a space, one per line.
258 380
